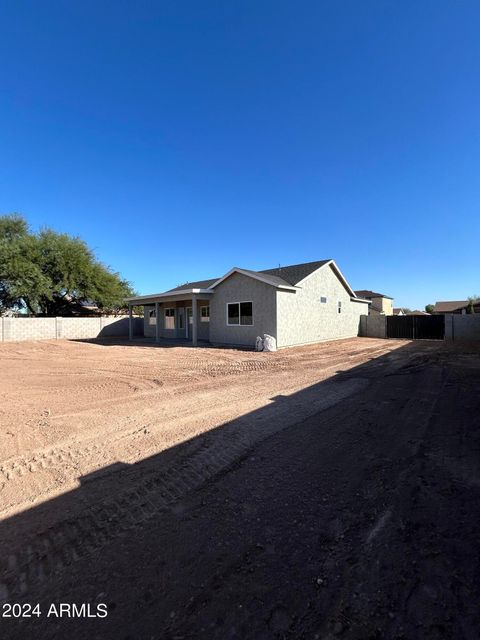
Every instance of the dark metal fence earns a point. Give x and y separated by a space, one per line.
416 327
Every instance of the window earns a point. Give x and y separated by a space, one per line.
169 318
204 314
152 317
323 300
339 306
240 313
190 315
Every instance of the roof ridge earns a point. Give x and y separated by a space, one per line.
299 264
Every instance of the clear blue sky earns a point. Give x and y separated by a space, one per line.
180 139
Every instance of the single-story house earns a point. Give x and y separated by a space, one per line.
381 304
455 306
399 311
297 304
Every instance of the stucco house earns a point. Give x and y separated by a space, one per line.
381 303
297 304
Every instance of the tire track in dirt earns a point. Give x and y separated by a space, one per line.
67 541
69 458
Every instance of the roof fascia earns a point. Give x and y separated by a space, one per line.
168 294
355 299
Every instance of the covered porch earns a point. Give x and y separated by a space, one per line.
181 315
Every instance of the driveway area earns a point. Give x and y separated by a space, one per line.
321 492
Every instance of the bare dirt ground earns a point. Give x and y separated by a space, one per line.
326 491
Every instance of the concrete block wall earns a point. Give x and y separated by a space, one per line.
373 326
18 329
462 327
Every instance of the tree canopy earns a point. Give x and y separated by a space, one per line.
54 273
429 308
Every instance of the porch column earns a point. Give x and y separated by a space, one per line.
157 322
194 321
130 322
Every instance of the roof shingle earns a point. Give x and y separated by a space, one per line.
199 284
295 273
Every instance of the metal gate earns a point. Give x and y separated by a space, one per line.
416 327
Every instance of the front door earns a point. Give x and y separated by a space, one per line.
181 321
189 322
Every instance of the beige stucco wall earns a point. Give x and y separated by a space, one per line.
381 306
302 318
240 288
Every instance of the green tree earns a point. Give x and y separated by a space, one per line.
53 273
429 308
472 300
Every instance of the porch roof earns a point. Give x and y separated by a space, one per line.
169 295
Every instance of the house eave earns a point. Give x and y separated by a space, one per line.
355 299
167 294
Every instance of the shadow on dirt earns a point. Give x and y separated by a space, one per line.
359 519
140 341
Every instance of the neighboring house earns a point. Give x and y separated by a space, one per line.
417 313
381 304
398 311
298 304
451 306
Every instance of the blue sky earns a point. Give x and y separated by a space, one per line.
180 139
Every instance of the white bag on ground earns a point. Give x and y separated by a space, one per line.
259 344
269 343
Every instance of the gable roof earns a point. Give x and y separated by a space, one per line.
199 284
366 293
447 306
288 277
295 273
275 281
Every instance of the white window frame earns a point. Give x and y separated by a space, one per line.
152 316
205 318
174 316
239 316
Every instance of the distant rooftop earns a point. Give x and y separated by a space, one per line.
367 294
447 306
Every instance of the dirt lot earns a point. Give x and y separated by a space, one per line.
325 491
